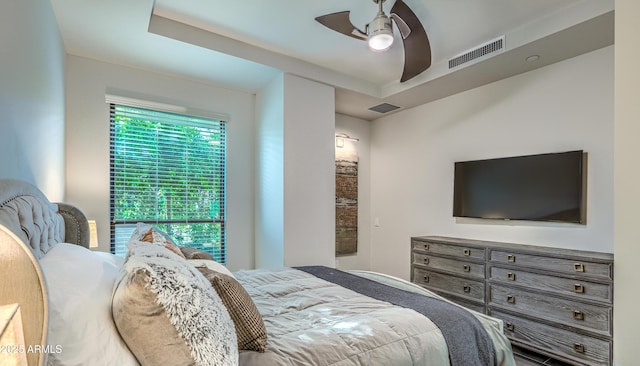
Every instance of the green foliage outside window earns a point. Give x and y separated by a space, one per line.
168 170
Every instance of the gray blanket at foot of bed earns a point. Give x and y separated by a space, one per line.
467 341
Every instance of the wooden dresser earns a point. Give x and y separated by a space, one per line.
553 301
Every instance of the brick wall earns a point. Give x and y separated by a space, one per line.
346 207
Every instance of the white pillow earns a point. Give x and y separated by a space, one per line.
80 284
110 258
212 265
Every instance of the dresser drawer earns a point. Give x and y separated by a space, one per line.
569 266
586 316
457 286
565 344
448 249
573 287
450 265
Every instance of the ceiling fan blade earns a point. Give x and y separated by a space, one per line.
404 29
417 49
341 23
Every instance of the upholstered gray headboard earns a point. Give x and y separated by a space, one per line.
39 223
30 226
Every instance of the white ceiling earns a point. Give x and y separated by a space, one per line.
244 44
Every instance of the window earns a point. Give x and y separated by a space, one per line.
168 170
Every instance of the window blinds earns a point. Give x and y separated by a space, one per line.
168 170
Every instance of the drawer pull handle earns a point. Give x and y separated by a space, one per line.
578 267
426 260
466 288
509 326
511 258
467 268
578 315
426 278
511 276
467 252
511 299
578 288
578 347
426 247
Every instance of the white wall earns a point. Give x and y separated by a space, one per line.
87 132
565 106
627 181
360 129
32 96
295 187
269 214
309 172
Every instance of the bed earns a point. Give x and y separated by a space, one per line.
165 306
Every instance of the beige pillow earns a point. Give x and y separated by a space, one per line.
149 234
250 329
168 313
145 326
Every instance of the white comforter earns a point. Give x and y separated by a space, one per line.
310 321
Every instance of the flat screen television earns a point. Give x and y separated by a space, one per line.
543 187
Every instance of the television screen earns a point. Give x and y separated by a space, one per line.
545 187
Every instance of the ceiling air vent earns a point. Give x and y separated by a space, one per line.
384 108
472 54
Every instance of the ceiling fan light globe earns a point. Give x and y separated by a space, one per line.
380 33
380 42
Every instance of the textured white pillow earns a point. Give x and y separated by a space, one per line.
80 285
149 234
191 305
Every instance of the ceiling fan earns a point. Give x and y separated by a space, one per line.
379 34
